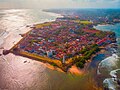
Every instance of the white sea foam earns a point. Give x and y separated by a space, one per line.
109 83
108 63
114 72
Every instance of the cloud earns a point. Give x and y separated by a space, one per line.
59 3
95 0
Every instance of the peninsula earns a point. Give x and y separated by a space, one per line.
63 42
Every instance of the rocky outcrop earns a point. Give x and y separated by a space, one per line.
5 52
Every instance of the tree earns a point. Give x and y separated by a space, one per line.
80 64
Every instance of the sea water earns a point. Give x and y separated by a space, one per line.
111 64
15 20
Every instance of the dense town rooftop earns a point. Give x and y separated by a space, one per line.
63 41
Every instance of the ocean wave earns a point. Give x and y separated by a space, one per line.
3 35
114 72
111 83
108 63
108 83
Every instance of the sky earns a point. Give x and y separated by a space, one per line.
45 4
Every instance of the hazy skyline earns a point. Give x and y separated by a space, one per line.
59 4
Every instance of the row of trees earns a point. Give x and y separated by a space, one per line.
86 54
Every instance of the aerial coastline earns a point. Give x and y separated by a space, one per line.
29 63
79 29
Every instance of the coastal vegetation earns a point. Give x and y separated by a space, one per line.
86 55
84 22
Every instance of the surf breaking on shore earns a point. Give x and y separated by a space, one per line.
110 64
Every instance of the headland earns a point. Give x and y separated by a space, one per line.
63 43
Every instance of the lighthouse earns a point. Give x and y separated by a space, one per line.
63 59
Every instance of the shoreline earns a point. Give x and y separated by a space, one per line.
73 67
112 75
26 29
48 69
47 64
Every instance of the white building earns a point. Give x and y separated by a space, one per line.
63 59
49 53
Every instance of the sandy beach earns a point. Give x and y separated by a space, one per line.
76 71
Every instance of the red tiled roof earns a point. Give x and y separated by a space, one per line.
101 41
91 31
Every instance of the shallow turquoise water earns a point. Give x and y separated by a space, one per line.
115 28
